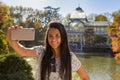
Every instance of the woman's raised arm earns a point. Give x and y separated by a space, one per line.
20 49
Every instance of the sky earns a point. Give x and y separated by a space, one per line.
68 6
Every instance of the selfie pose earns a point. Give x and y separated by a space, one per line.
55 61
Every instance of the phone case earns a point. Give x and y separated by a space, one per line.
25 34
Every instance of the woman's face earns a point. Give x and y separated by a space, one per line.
54 38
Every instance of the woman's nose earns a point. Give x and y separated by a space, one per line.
54 39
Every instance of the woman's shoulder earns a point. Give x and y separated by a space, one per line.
75 62
39 49
72 54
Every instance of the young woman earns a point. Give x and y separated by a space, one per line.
54 60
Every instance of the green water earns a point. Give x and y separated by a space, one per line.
101 67
98 67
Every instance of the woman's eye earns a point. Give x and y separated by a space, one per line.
57 36
50 36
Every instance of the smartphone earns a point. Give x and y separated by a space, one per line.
24 34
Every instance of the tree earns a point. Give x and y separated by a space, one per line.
14 67
114 32
5 19
67 21
89 37
34 18
100 40
114 28
3 43
116 13
91 17
7 23
51 14
101 18
108 16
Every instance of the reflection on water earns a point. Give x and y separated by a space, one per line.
101 67
98 67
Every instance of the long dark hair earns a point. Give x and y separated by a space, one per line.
65 57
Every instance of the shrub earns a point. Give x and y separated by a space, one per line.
14 67
3 43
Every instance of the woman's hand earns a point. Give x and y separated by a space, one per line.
9 32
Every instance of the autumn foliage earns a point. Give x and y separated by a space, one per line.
114 33
115 44
3 12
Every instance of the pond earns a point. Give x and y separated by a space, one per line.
98 67
101 67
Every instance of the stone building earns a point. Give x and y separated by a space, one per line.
77 26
